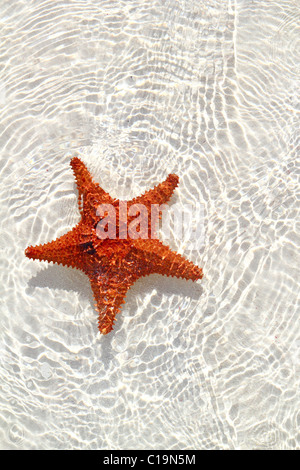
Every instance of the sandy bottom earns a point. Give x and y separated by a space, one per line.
140 89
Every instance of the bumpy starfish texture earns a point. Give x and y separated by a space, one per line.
113 264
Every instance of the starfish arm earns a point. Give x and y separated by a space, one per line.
162 260
109 293
158 195
87 187
68 250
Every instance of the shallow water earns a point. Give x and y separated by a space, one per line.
139 89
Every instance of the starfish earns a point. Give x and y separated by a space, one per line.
99 244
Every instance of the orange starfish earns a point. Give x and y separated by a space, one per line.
114 263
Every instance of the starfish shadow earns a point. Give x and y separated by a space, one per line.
169 285
163 285
62 278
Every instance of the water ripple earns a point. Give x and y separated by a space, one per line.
204 89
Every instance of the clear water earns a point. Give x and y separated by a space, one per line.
207 89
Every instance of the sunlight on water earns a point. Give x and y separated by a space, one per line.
206 89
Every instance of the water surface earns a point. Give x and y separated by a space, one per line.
140 89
